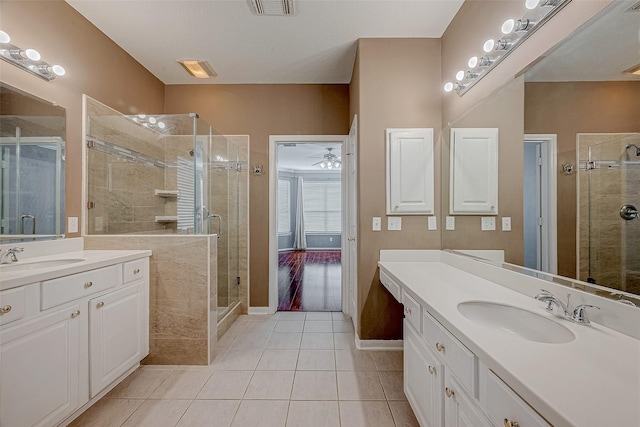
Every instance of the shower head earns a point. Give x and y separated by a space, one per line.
634 146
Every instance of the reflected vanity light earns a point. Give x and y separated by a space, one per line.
512 33
29 60
150 122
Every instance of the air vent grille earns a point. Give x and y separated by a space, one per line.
634 7
273 7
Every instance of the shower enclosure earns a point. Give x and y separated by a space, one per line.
609 226
165 175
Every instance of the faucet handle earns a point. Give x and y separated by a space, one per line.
543 294
580 314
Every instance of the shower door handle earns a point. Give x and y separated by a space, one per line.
628 212
219 223
33 223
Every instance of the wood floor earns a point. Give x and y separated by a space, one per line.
309 281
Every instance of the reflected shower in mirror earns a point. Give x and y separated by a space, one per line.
580 100
32 178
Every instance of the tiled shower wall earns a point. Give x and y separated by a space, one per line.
608 245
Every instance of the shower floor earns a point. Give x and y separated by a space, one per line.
310 280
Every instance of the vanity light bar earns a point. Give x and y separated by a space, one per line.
28 59
512 33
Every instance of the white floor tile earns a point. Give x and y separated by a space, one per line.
270 385
314 385
205 413
316 360
156 412
365 414
319 315
278 360
317 341
239 360
289 326
313 414
292 315
318 326
226 385
359 386
261 413
403 415
284 341
182 384
354 360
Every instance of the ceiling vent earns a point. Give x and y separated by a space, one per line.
272 7
634 7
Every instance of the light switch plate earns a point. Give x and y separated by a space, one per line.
506 223
488 223
377 223
72 224
394 223
450 223
432 223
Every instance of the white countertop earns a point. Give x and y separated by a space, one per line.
593 380
92 259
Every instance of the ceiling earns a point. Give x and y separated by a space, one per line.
316 45
303 156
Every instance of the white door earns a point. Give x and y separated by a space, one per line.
350 215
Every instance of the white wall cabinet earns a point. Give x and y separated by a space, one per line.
410 171
473 180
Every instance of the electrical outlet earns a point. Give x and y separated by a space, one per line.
377 223
394 223
72 224
488 223
432 223
450 223
506 223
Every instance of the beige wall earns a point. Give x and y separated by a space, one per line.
260 111
398 85
95 66
569 108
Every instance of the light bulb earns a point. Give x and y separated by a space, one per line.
142 116
460 75
488 45
448 87
329 166
161 125
4 37
32 54
336 164
531 4
153 120
507 26
58 70
473 62
323 165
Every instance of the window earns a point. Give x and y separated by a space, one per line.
284 207
322 206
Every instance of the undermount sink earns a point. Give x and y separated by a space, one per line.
37 265
516 321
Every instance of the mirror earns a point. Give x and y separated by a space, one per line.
32 177
578 111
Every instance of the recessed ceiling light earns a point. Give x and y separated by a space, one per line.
199 69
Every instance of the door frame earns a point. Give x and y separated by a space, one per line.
549 242
274 140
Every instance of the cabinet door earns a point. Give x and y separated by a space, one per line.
115 334
410 173
460 409
39 369
423 379
473 180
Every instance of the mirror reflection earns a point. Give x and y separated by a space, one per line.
571 185
32 152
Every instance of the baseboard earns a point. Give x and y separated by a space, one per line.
258 310
378 344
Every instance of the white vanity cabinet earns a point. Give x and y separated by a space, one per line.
66 340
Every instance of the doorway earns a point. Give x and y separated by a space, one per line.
306 233
539 200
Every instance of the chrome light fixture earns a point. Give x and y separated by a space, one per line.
511 34
150 122
27 59
330 161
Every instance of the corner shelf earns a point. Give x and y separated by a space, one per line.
167 194
166 218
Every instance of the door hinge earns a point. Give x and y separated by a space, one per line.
238 281
90 143
91 205
540 221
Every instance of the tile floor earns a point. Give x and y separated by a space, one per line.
290 369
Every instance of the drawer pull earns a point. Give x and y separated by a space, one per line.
449 392
100 304
432 370
75 314
136 271
439 347
408 310
5 309
509 423
88 285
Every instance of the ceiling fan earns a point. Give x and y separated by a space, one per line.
329 161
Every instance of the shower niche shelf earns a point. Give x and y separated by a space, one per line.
166 219
167 194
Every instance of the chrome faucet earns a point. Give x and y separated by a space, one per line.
561 310
9 255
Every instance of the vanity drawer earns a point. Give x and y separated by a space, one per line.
134 270
392 287
412 311
453 353
504 405
12 302
58 291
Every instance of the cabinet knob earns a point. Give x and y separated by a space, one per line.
407 310
5 309
75 314
88 285
136 271
100 304
509 423
432 370
449 392
439 346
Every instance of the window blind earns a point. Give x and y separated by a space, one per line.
284 206
322 206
